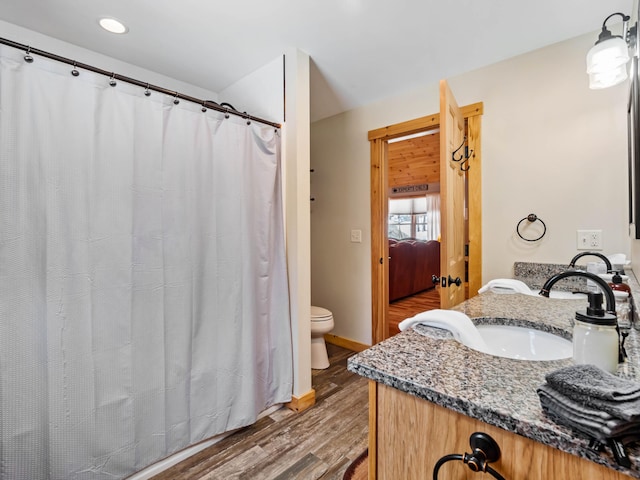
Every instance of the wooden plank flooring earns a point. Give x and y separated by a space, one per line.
319 443
409 306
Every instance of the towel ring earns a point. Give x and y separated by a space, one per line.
485 450
532 217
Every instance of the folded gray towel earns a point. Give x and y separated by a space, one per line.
597 424
577 408
627 410
626 437
591 381
600 430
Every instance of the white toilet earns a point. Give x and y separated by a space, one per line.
321 323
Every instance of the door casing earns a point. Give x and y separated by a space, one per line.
378 139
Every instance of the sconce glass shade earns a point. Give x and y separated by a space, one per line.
607 63
608 79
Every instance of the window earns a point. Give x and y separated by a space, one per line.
400 226
416 217
408 226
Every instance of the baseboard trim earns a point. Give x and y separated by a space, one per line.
345 343
301 403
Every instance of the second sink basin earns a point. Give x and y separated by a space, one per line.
524 343
562 295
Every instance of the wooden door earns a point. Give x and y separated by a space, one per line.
452 201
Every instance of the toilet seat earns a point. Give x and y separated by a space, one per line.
319 314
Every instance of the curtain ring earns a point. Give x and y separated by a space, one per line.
226 112
147 92
532 217
75 71
175 99
112 80
204 108
28 58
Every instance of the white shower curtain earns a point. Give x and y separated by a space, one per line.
143 291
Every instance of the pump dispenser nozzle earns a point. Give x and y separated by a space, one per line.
595 304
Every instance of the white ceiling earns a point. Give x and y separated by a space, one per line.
361 50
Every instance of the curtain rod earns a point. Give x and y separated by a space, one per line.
114 76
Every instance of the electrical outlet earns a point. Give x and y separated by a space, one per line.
589 240
356 236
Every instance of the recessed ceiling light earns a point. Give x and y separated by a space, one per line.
113 25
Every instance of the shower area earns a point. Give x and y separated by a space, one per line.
144 301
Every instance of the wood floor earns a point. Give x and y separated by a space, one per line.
319 443
409 306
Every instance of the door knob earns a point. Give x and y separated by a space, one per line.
446 281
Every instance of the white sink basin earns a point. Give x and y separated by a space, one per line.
563 295
524 343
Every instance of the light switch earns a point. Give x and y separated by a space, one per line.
356 236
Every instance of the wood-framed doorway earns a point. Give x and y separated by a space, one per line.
379 208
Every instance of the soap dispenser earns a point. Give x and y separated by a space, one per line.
595 336
622 294
618 285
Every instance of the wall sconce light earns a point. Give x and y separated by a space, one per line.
607 60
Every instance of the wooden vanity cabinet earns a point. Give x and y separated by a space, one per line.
409 435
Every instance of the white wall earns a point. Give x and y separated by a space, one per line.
261 93
49 44
551 146
296 156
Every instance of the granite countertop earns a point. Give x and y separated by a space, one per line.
429 363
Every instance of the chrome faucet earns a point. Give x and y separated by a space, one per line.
572 263
606 289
